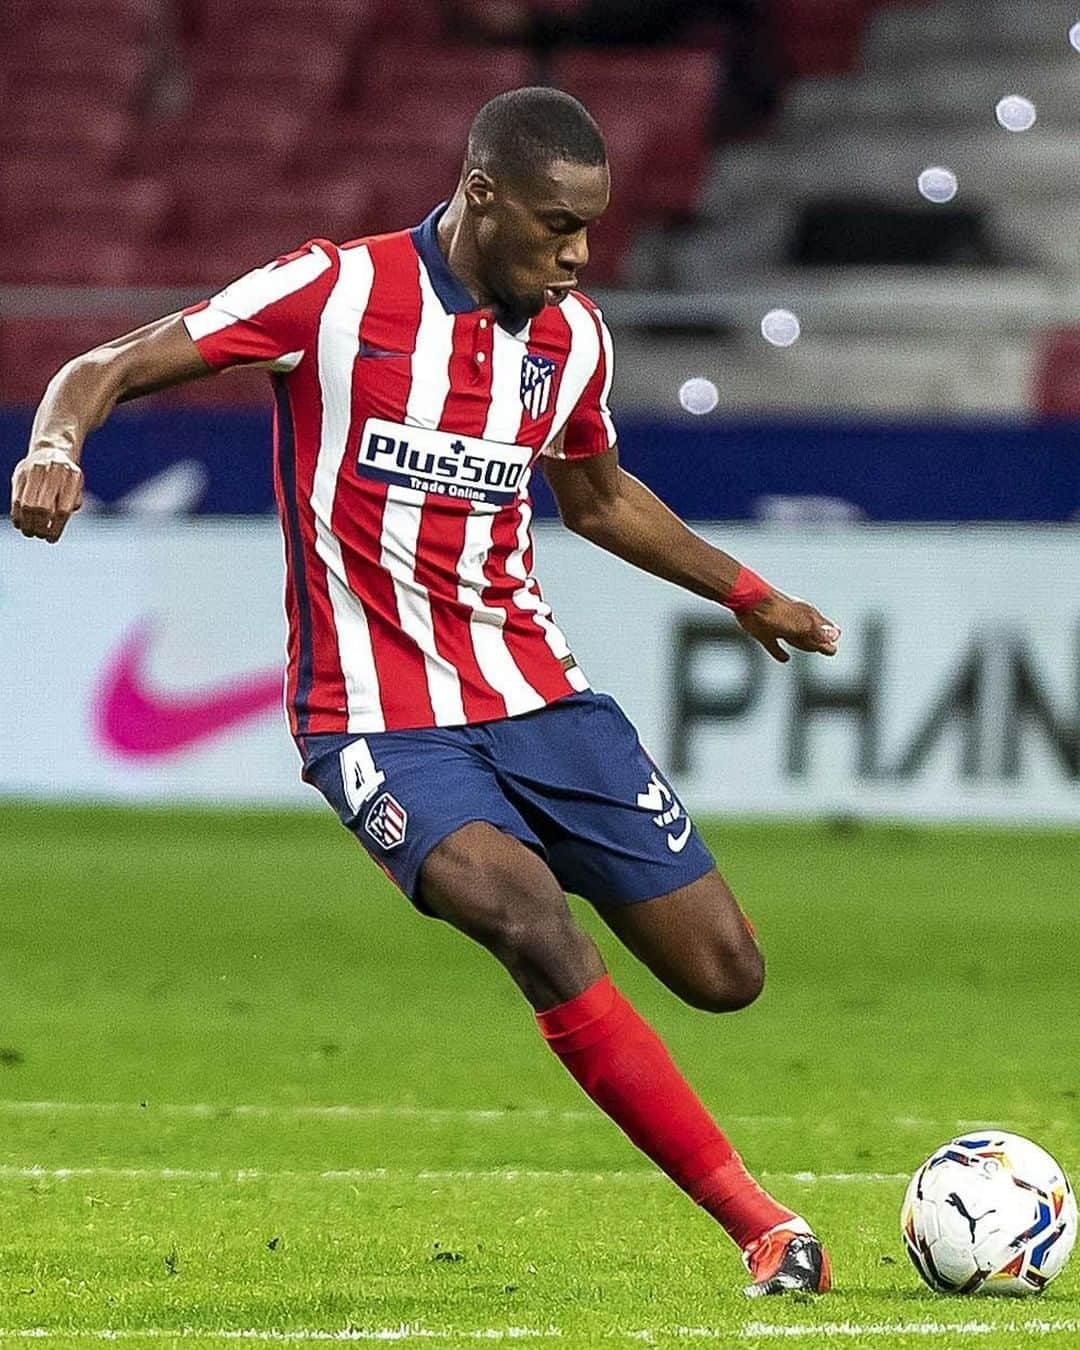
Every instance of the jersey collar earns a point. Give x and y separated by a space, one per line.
448 286
450 289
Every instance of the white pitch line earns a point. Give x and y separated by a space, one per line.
402 1333
416 1332
36 1172
812 1178
407 1111
351 1174
376 1111
1032 1327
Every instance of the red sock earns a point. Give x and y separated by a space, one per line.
626 1069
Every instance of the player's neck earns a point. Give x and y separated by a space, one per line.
459 249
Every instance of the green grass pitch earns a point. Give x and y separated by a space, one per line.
162 971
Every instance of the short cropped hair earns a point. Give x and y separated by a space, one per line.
520 133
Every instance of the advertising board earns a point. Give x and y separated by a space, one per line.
145 662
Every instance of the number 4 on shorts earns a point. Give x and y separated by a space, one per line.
359 776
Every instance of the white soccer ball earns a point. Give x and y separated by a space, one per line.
989 1213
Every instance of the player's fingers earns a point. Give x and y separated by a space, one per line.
773 648
16 493
31 513
68 500
828 635
824 639
35 522
54 526
38 502
69 491
29 509
817 634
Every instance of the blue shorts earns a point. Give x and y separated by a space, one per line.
571 781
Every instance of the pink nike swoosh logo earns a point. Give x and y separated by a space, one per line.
137 722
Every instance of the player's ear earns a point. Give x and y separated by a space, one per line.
479 190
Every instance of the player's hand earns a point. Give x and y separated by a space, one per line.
779 618
46 491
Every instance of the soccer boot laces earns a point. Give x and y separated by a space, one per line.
787 1258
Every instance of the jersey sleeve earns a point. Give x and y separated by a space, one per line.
589 429
269 316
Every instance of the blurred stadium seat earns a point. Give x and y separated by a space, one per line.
33 350
819 37
275 101
369 150
455 80
226 136
93 134
223 237
64 255
113 78
60 25
632 92
57 231
300 70
204 23
419 21
824 37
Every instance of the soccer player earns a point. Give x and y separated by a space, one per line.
419 376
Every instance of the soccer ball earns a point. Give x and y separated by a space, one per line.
989 1213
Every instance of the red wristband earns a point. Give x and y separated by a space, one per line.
748 591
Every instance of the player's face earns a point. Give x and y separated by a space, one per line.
533 239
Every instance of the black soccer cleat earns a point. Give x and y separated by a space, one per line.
783 1261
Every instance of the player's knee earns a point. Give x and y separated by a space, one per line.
747 978
541 940
728 979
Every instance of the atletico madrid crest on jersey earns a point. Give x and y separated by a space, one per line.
537 373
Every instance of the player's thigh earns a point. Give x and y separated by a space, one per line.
500 892
400 794
696 940
491 885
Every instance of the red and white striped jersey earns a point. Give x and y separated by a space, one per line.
407 422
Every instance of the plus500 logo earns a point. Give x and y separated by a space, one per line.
440 463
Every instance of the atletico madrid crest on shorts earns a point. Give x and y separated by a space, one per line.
537 373
387 822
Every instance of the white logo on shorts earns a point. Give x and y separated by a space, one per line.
666 809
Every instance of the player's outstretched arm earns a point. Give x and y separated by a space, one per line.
611 508
46 487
